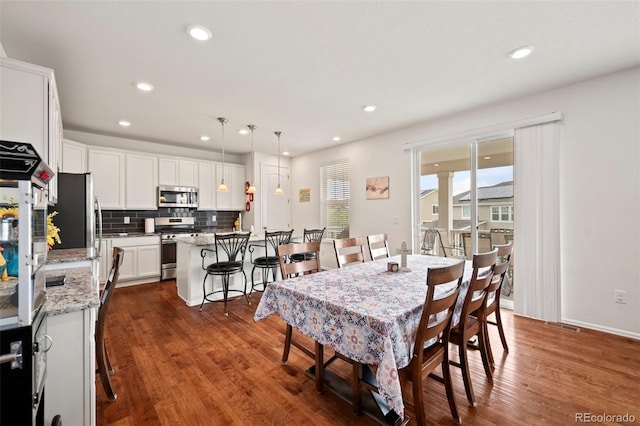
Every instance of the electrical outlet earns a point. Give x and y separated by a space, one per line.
213 218
620 296
127 220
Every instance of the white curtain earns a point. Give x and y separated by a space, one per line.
537 222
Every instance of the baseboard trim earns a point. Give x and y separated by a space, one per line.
610 330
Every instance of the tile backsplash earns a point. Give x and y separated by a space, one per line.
113 220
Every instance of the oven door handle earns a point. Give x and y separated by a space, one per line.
15 357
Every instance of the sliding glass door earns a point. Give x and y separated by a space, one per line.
466 192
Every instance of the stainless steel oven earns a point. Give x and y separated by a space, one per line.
172 229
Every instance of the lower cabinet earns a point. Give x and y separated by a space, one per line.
70 387
141 261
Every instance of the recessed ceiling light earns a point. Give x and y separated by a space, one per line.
243 131
199 32
487 158
204 138
124 123
521 52
145 87
369 108
336 138
436 165
285 152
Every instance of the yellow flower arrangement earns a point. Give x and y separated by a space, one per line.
53 232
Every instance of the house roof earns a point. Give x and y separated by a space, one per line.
426 192
501 191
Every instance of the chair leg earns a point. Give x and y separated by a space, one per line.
225 292
448 385
253 284
466 374
102 367
246 295
418 401
356 397
204 291
287 344
488 344
110 369
501 330
482 343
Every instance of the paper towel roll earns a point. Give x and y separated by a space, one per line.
149 226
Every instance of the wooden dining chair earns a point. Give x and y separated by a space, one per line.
104 369
349 251
492 304
378 246
291 269
431 348
472 317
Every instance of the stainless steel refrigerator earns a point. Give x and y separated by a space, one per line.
79 216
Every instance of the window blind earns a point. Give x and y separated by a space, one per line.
335 198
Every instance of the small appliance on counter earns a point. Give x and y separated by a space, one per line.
24 181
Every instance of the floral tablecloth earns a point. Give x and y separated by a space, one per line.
361 311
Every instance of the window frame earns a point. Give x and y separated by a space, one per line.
335 201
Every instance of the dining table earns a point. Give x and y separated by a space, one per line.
364 312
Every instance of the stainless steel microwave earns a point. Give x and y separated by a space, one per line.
177 196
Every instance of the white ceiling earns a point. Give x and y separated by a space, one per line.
306 68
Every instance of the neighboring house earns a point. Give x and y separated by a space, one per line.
495 206
428 205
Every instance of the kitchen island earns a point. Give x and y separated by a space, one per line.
190 273
71 311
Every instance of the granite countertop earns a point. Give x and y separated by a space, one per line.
71 255
209 239
78 293
129 234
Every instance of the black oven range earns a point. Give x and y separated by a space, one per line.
172 229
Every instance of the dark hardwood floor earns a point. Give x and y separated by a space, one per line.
175 365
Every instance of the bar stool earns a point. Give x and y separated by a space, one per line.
269 261
308 236
234 246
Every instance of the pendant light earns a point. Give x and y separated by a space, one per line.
252 188
278 190
222 187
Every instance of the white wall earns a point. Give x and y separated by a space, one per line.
599 189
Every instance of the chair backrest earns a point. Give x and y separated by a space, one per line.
275 238
443 286
378 246
432 243
483 267
500 269
311 235
109 287
500 236
308 266
349 250
233 244
484 244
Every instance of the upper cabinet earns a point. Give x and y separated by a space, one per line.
177 172
206 185
74 157
108 169
31 112
234 178
141 181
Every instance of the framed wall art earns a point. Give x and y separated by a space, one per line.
377 188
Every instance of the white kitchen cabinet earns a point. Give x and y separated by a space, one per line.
74 157
141 261
31 112
141 180
71 370
108 168
177 172
234 177
207 185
